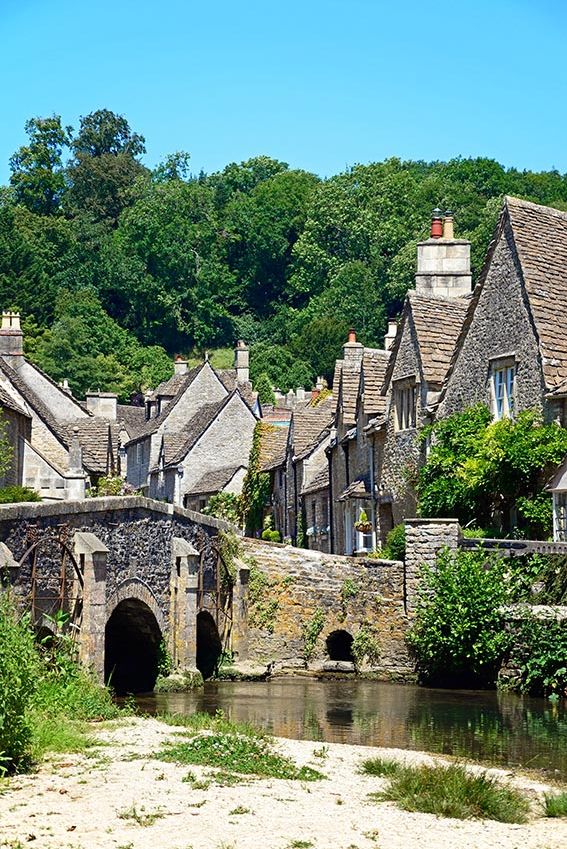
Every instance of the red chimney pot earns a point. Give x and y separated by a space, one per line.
352 335
437 224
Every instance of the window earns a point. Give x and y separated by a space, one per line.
325 515
503 386
405 395
560 516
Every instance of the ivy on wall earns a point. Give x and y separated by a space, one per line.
256 486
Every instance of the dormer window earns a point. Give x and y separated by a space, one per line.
405 396
503 384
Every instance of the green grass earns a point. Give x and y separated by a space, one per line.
382 767
556 804
237 753
197 722
239 810
453 791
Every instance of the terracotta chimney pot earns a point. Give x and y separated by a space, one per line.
436 224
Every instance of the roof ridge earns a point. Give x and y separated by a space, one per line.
511 200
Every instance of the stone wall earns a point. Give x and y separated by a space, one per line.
301 582
424 539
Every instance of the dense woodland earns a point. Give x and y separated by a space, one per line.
115 267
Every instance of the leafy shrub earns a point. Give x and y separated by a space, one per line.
271 535
395 548
224 505
109 485
540 649
311 632
16 494
365 646
556 804
18 675
458 633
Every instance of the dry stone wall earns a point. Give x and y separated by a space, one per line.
290 589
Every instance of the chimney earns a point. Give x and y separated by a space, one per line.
443 262
11 338
75 478
390 336
320 383
103 405
180 365
315 394
242 362
352 350
300 393
64 385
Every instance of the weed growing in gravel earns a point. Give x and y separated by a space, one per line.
452 791
239 810
142 817
380 767
301 844
236 753
556 804
195 782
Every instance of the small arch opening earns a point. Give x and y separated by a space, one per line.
209 646
339 646
131 648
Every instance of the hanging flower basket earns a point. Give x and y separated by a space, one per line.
363 527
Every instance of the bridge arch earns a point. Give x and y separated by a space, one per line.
209 645
133 634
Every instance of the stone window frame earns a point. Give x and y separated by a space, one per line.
503 372
405 403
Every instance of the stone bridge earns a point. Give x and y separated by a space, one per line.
135 576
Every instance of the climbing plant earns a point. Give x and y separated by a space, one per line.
349 590
229 550
311 631
256 486
264 597
365 646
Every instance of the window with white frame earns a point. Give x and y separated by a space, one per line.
503 381
405 396
560 516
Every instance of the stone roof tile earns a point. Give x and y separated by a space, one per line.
310 425
273 445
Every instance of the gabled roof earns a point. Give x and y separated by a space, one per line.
273 445
152 425
310 425
319 481
437 322
178 444
132 419
33 400
99 440
214 481
6 400
540 236
374 365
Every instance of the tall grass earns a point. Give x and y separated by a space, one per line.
46 697
449 791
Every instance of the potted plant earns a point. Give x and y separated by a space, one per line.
363 526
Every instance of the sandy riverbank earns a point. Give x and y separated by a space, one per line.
89 802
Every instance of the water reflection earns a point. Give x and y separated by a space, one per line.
497 727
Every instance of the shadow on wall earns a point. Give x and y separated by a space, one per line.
131 650
209 646
339 646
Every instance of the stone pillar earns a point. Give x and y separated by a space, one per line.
240 612
8 566
91 554
75 478
183 608
424 539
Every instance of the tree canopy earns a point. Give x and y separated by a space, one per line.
258 250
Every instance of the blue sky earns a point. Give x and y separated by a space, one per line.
321 84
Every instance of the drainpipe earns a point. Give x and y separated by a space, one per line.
285 511
372 492
329 453
295 501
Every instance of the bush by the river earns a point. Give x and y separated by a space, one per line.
46 697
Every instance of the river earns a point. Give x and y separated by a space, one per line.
498 728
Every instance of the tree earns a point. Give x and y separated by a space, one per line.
321 340
105 166
37 168
282 368
264 389
480 470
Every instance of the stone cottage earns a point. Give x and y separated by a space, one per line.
307 437
209 455
511 353
196 411
17 423
66 445
358 379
